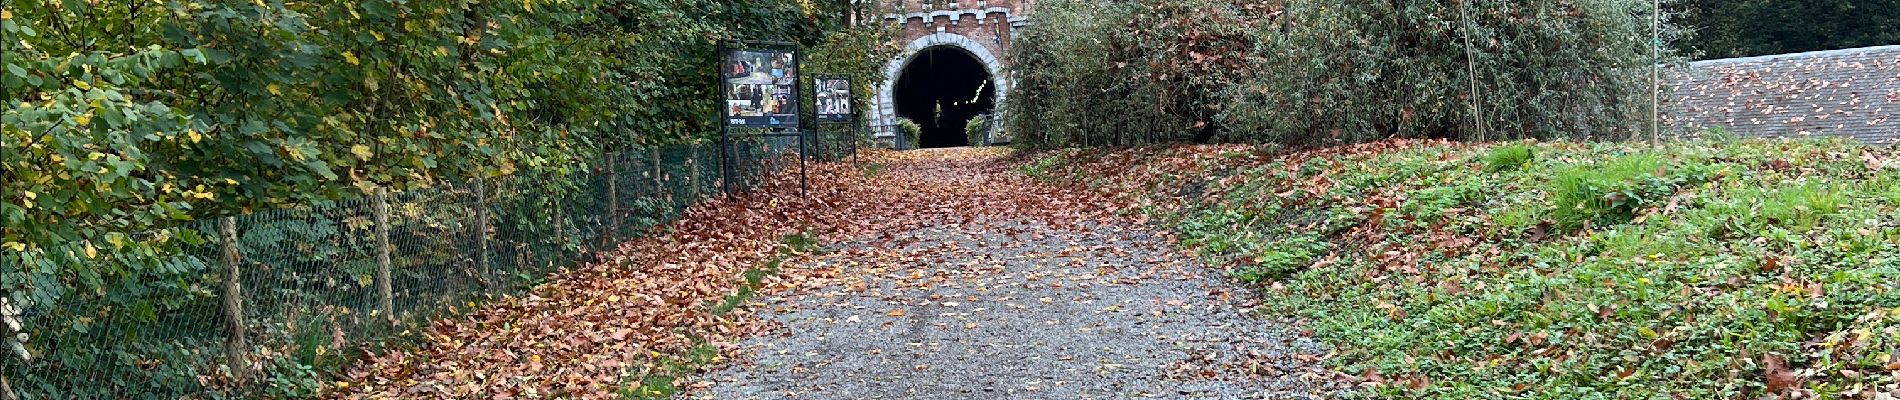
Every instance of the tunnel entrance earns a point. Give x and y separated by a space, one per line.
942 89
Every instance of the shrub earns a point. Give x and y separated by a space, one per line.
1357 71
1094 73
1066 76
977 130
911 131
1751 28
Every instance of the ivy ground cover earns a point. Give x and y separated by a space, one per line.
1709 269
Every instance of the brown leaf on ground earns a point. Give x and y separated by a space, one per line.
1776 372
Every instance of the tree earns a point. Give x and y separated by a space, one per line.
1741 28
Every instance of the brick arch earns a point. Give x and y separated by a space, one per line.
886 104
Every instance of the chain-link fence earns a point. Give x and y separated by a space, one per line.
270 304
835 142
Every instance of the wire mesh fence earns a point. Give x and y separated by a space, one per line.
269 304
834 142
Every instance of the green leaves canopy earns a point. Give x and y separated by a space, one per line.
125 118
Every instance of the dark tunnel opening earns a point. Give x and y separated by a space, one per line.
942 89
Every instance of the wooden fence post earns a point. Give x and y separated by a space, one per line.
613 205
234 347
560 229
692 170
481 269
657 172
659 177
384 289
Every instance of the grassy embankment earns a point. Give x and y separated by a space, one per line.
1708 269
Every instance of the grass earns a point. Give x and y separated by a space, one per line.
1509 157
1558 270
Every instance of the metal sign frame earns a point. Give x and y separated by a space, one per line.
849 118
819 83
729 48
793 126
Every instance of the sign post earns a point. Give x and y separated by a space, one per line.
834 107
759 89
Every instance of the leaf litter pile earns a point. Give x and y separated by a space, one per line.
953 247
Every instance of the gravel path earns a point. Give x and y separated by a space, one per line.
1018 310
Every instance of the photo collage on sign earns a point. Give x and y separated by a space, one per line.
834 99
761 88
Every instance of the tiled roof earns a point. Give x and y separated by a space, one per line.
1854 92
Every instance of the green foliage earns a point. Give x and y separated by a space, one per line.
1510 157
911 131
1065 76
1892 189
1696 264
289 379
1280 259
1612 192
1118 73
1730 28
123 120
1793 206
799 243
1359 71
977 130
859 54
1096 73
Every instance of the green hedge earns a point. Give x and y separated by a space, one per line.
1315 72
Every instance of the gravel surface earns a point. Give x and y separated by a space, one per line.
1018 310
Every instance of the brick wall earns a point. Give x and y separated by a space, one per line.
988 22
983 28
1853 93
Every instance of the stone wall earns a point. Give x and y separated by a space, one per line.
1851 93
